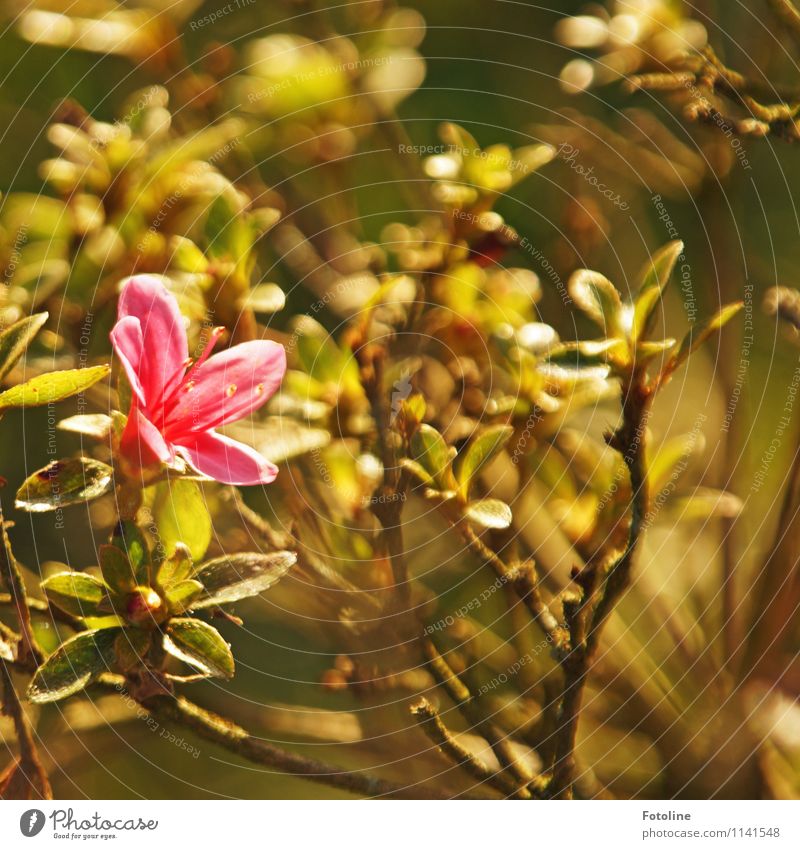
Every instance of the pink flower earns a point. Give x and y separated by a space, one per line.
177 405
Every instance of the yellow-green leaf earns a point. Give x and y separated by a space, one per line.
76 593
181 515
597 296
73 665
478 453
15 339
52 387
201 646
489 513
695 338
64 482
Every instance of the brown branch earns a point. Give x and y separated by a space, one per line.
585 618
9 568
431 724
468 707
522 578
25 778
235 739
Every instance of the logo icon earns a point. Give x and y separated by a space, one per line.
31 822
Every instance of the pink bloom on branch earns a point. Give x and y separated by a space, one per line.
177 405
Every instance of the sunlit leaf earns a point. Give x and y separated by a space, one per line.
694 339
703 504
266 298
131 542
76 593
73 665
15 339
117 569
478 453
52 387
670 460
181 595
64 482
653 280
489 513
238 576
97 425
201 646
418 471
597 296
431 452
181 515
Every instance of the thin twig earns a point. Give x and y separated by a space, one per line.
29 767
16 587
431 724
585 619
522 578
468 706
237 740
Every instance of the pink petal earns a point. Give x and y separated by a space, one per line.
225 459
165 349
142 444
227 387
126 338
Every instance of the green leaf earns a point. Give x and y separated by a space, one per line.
64 482
15 339
653 280
669 462
238 576
597 296
704 504
266 298
418 471
73 665
695 338
77 593
52 387
97 425
431 452
181 515
117 570
175 568
180 596
480 451
657 270
198 644
489 513
131 542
